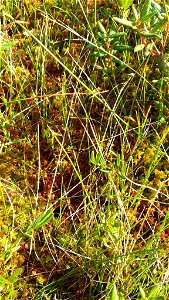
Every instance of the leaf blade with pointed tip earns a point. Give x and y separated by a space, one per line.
114 294
125 22
43 219
101 27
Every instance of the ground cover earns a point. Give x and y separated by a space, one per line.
84 150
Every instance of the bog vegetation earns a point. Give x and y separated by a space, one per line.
84 155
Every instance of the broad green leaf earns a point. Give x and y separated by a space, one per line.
114 294
7 46
145 9
139 47
43 219
125 22
125 3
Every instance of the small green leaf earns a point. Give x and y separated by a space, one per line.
125 3
43 219
117 34
101 35
99 159
139 47
125 22
145 9
151 35
101 27
14 142
14 277
123 48
92 158
142 293
102 169
114 294
7 46
149 49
